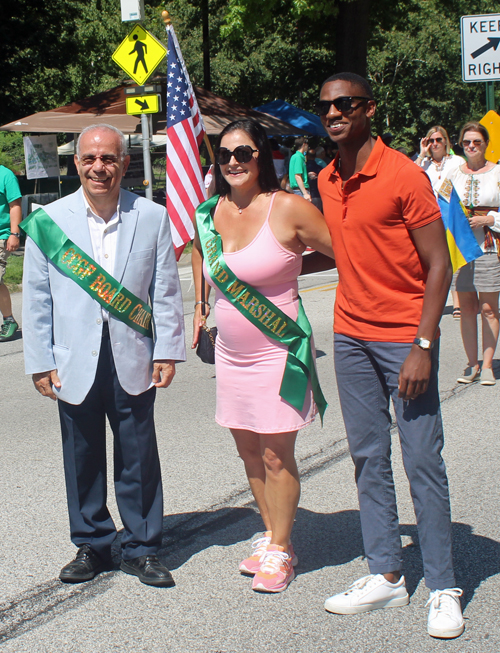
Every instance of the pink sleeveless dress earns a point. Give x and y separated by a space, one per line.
249 365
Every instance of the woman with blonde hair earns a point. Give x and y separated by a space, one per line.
437 161
435 157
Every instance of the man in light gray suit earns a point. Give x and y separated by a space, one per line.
97 359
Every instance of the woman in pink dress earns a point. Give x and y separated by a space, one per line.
264 232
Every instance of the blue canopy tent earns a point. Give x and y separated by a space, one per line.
299 118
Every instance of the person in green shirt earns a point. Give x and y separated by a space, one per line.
10 218
297 171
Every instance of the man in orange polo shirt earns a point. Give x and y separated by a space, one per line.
394 274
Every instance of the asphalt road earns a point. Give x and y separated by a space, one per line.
210 518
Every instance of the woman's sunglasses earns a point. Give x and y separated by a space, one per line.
342 104
469 143
242 154
435 140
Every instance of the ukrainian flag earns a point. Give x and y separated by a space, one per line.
462 243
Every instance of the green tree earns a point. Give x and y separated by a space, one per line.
59 51
414 64
12 151
284 55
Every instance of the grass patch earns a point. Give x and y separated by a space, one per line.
14 273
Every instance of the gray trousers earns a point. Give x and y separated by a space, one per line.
367 378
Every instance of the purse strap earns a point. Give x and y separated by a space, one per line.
203 292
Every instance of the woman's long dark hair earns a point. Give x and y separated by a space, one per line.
268 181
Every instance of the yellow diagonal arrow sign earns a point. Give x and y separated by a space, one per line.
137 104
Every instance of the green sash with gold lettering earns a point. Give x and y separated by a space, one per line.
84 271
262 313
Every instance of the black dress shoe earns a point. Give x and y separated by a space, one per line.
85 566
148 570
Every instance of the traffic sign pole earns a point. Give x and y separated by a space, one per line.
146 153
138 55
490 96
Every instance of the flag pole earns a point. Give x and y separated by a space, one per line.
185 132
209 148
167 20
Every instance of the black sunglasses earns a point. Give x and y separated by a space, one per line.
342 104
435 140
242 154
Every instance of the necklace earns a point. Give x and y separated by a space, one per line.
241 208
439 166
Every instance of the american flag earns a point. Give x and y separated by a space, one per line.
185 132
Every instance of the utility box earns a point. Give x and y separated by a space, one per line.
132 10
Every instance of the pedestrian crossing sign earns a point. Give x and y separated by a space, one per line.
139 54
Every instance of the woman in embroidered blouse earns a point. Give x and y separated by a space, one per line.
435 157
477 183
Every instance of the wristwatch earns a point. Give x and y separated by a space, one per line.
423 343
16 235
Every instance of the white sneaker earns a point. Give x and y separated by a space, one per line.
445 613
369 593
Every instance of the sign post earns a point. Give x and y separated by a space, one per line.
138 55
490 96
480 52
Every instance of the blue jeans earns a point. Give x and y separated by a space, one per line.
367 378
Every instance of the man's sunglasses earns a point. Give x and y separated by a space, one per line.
242 154
342 104
435 140
107 160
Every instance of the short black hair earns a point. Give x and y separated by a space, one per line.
353 79
268 181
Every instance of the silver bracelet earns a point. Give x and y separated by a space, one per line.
202 302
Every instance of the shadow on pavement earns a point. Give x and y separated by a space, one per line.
475 559
320 540
325 540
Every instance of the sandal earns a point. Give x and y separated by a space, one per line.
456 312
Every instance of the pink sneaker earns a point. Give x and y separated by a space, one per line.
251 565
276 571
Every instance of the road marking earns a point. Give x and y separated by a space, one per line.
325 288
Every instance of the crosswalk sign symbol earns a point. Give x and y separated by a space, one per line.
139 54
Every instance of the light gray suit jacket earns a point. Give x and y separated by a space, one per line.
62 324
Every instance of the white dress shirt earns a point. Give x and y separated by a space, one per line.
104 236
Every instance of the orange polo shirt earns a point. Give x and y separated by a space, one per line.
381 278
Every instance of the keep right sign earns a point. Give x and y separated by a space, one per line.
480 48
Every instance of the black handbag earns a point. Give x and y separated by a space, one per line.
206 337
